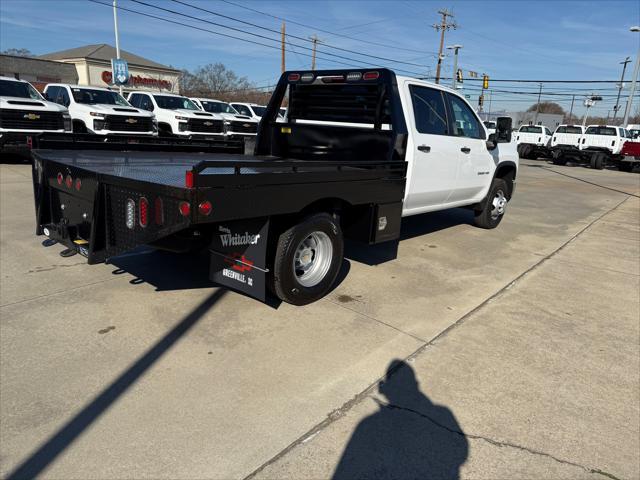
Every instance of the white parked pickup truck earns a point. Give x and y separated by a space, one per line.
605 138
177 115
24 112
567 135
532 140
235 125
100 111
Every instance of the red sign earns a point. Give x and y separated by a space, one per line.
136 80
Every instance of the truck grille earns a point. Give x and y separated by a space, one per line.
243 127
31 120
206 126
121 123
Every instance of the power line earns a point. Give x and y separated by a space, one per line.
292 36
326 31
226 35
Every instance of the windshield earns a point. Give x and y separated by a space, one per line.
259 111
490 124
218 107
86 95
530 129
173 103
610 132
569 129
18 89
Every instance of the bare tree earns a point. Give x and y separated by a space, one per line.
18 52
547 107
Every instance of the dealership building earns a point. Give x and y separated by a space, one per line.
91 65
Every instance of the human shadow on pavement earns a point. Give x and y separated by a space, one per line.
407 438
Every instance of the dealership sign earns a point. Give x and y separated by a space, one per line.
120 70
138 80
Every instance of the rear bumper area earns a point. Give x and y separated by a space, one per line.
15 142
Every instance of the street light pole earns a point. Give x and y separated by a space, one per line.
455 48
632 91
115 26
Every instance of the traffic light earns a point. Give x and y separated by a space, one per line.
485 81
480 100
459 76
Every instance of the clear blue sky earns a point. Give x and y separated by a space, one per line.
506 39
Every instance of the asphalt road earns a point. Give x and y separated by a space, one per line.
511 353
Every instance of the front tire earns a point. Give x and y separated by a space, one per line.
307 260
494 208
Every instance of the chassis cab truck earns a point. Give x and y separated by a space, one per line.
277 219
532 141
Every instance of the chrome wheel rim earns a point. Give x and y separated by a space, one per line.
312 259
499 204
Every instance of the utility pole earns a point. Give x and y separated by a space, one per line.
442 27
282 63
616 107
632 90
115 27
573 97
535 119
315 41
454 77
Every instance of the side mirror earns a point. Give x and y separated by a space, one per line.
503 129
492 142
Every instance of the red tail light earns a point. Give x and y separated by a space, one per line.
205 207
158 210
60 178
371 76
69 181
185 209
294 77
78 184
188 179
144 211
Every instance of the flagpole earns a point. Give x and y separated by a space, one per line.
115 26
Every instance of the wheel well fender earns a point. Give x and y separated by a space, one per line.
164 126
507 171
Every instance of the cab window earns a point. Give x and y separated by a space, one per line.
134 100
243 109
465 123
146 103
429 110
63 97
547 131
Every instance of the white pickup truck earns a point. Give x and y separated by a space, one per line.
24 112
532 140
235 125
387 148
100 111
177 115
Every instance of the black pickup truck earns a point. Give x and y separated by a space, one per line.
273 219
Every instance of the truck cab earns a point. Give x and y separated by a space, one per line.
23 112
567 136
179 116
605 138
235 125
538 135
100 111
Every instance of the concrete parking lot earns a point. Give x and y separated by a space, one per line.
510 353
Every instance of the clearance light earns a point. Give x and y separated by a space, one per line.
69 181
205 208
158 210
78 184
307 77
130 221
333 79
60 178
294 77
144 212
371 76
354 76
185 209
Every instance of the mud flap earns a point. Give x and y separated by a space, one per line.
239 256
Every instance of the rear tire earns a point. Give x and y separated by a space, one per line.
494 208
558 157
625 166
307 260
597 161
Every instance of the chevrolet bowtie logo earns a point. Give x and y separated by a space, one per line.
208 124
131 120
31 116
246 125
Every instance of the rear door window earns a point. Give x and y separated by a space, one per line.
429 111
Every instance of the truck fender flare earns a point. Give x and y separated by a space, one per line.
500 167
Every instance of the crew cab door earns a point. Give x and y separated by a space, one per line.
434 155
475 164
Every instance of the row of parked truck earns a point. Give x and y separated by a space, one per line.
597 145
83 109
